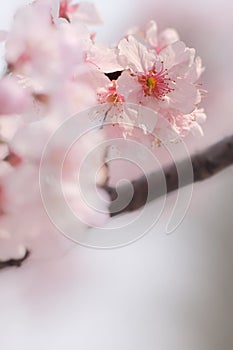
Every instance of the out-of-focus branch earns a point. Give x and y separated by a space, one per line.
14 262
205 164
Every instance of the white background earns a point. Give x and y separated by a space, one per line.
162 292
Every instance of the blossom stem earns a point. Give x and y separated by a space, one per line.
205 165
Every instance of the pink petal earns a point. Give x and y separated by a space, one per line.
87 13
152 34
183 98
195 71
104 58
177 58
167 37
13 99
129 87
135 56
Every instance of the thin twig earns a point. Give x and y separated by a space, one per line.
205 164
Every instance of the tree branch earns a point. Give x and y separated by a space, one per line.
205 164
14 262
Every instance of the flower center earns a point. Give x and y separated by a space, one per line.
111 95
155 83
151 83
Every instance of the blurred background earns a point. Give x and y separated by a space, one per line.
162 292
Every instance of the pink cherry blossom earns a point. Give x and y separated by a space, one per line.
66 9
153 75
21 200
110 94
183 124
26 39
11 247
49 60
13 99
4 150
116 111
83 11
57 69
64 71
155 40
104 58
86 178
163 82
159 41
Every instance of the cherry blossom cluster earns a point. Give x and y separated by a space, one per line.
54 69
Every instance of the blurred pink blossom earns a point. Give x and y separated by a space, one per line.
55 69
83 11
154 39
13 99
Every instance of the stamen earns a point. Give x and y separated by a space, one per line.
111 96
156 83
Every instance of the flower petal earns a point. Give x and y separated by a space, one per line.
183 98
135 56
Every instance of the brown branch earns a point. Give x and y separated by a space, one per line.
205 164
14 262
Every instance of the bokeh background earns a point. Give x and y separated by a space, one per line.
163 292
